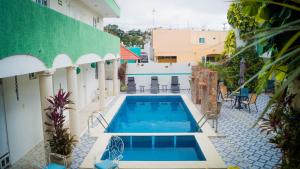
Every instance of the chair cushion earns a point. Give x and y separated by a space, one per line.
106 164
54 166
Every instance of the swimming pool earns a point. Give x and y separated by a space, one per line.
153 114
160 148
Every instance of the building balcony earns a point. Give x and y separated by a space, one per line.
29 29
106 8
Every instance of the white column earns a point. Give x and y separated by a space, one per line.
116 87
101 81
74 124
46 90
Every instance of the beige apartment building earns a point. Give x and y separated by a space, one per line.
186 45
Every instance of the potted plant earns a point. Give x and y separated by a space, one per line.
61 141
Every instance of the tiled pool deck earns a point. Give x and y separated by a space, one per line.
241 145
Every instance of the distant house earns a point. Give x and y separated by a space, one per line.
186 45
129 55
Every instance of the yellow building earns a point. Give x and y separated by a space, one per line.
186 45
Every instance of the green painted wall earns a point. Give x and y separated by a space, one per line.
31 29
113 5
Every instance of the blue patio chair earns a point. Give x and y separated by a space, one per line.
114 152
245 92
50 164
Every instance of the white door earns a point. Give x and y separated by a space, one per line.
3 132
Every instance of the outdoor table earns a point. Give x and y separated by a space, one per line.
142 89
164 88
238 98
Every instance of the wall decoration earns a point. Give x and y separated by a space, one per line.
78 70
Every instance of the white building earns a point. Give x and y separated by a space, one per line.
47 45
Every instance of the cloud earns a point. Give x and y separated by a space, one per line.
138 14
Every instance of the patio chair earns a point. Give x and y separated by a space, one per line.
114 153
154 89
175 86
250 101
131 86
224 94
244 93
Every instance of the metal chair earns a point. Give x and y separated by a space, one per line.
250 101
225 95
114 150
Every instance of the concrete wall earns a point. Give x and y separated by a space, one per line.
24 120
184 43
143 72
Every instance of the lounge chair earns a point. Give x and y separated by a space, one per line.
250 101
131 86
175 86
113 153
154 89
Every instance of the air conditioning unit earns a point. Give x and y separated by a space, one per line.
4 161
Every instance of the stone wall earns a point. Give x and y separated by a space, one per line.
204 88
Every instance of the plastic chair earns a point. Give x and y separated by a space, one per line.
115 150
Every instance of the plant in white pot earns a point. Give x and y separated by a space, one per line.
61 141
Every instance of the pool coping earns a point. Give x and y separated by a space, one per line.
213 159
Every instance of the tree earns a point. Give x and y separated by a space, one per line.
230 44
278 34
132 38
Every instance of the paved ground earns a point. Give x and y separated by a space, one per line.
245 146
242 146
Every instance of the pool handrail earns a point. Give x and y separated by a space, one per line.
91 118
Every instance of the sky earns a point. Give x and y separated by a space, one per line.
197 14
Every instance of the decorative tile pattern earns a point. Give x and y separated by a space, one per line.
244 145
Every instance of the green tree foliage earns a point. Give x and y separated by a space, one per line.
230 43
253 64
279 33
132 38
238 17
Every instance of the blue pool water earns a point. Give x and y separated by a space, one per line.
153 114
160 148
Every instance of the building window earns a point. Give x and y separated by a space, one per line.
42 2
167 59
201 40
